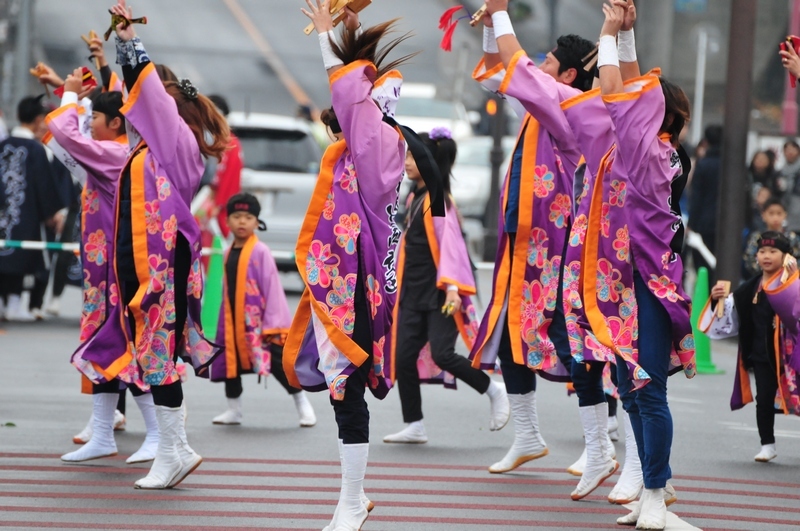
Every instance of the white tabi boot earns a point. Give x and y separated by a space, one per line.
613 428
15 312
599 463
86 433
528 443
500 410
120 423
174 458
576 468
232 415
146 452
351 513
767 453
304 410
670 497
653 512
364 500
630 482
102 443
414 433
190 459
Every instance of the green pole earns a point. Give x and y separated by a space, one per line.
212 291
702 344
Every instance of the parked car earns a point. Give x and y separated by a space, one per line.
420 110
281 160
472 173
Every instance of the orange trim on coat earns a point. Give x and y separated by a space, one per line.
777 348
703 312
652 82
487 74
346 69
512 66
291 349
580 98
243 347
783 285
744 381
87 387
58 112
141 253
149 70
433 242
231 370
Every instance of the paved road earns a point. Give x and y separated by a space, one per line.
269 473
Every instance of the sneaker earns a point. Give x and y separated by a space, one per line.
767 453
38 314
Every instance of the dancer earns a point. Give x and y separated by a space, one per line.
157 255
254 318
648 114
524 325
435 282
340 337
758 311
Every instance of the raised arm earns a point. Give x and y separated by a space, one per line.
626 43
608 55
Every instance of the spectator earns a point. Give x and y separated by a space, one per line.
773 215
704 190
227 180
762 172
789 183
762 195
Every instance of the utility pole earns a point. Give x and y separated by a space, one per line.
789 122
733 181
553 4
22 55
496 109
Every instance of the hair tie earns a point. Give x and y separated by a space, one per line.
440 133
187 89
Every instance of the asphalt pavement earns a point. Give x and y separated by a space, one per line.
271 474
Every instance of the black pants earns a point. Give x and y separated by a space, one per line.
114 387
233 386
766 389
63 259
40 281
417 327
170 395
11 285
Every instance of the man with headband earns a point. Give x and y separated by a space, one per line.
755 311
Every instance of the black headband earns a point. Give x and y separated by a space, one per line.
778 241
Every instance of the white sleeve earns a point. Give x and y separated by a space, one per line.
720 327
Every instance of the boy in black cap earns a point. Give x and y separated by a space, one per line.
254 319
755 314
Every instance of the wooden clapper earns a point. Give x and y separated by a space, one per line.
337 10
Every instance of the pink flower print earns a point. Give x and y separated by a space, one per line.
152 216
550 279
252 317
374 296
321 264
327 210
158 269
621 333
170 232
543 181
194 287
617 193
340 300
347 231
628 307
155 316
537 248
578 232
377 355
251 287
162 184
349 182
113 294
585 189
91 201
167 301
605 221
95 248
559 164
533 304
622 244
663 288
572 285
560 210
608 281
666 259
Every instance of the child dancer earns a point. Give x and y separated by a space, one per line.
759 311
254 318
155 314
435 283
97 162
340 338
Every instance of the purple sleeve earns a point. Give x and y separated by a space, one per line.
377 148
590 122
454 267
276 318
154 115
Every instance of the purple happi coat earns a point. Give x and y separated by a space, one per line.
165 173
783 296
526 288
97 165
631 225
350 219
450 255
262 315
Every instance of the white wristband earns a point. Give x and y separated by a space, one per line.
359 31
489 40
68 98
451 287
328 57
607 54
502 24
626 46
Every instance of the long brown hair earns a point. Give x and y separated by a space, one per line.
200 114
676 112
365 46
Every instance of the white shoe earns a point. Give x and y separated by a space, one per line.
147 451
38 314
54 307
613 428
190 459
120 423
413 433
653 512
174 458
364 500
351 513
232 415
304 410
630 482
102 443
599 464
767 453
501 411
631 518
16 313
576 468
528 443
85 435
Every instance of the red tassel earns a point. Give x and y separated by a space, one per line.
444 21
447 39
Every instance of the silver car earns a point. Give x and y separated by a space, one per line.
281 160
